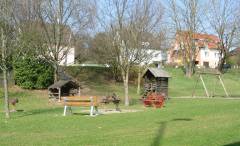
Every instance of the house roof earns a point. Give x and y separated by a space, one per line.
202 39
235 51
157 72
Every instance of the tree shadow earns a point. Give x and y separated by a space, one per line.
233 144
162 127
78 113
182 119
39 112
160 133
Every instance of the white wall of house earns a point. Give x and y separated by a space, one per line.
68 58
156 56
209 55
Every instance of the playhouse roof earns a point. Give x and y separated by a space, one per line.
157 72
62 83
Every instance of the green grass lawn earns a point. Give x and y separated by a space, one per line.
182 122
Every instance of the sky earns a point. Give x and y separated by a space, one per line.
167 23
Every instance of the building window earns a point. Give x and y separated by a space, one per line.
206 54
216 55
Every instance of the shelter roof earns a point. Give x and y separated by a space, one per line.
62 83
157 72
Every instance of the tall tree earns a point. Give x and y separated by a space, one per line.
223 17
186 20
126 21
7 41
61 19
153 45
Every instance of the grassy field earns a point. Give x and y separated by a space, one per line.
182 122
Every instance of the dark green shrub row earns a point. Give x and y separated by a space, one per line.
89 73
32 73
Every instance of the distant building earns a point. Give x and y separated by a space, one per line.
157 57
68 56
234 57
207 52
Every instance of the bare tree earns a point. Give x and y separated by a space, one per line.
7 40
223 17
61 19
185 15
129 19
152 45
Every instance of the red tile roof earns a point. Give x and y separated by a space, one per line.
202 39
235 51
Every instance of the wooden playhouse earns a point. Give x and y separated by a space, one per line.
156 81
63 88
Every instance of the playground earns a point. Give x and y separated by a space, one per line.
184 120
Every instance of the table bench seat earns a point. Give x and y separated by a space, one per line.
85 101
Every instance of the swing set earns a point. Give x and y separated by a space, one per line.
215 73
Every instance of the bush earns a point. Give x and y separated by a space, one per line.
88 73
32 73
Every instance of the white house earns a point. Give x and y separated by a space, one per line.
207 52
208 57
157 57
67 58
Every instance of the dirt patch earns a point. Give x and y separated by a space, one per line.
113 111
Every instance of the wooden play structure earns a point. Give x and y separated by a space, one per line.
155 87
81 101
213 73
63 88
113 98
155 100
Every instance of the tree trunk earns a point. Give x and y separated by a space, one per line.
139 80
5 84
189 70
125 84
4 69
55 73
221 62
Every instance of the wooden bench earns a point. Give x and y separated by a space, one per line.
85 101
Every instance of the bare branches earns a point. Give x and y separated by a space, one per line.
127 21
222 16
61 20
187 22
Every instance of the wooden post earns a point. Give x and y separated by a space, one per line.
91 107
193 93
59 94
204 86
79 91
65 106
223 86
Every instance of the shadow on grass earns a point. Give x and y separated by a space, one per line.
161 130
182 119
78 113
39 112
159 135
233 144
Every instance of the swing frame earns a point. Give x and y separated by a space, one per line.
200 76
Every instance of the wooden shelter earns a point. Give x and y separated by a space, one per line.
156 80
63 88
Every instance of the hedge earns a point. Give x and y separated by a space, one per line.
32 73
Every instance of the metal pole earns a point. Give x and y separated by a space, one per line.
204 86
223 86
